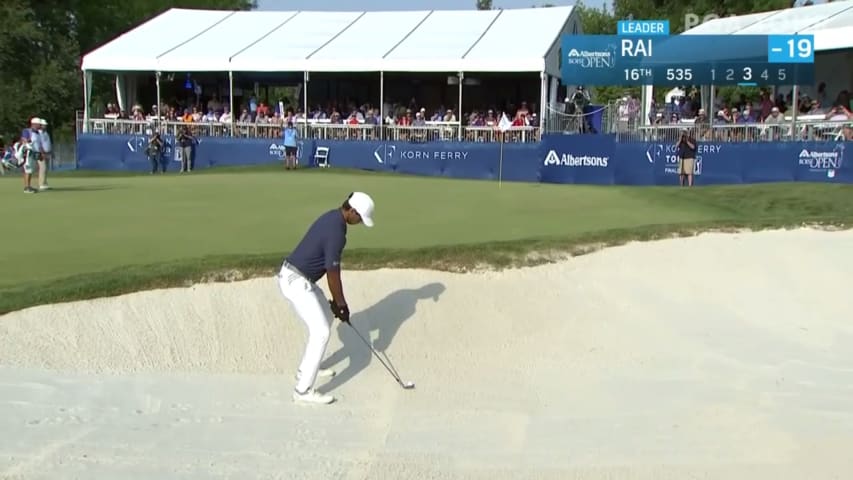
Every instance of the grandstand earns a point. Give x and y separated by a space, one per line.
402 75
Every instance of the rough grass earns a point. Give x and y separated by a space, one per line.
101 235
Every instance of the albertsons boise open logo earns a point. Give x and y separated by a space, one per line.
820 161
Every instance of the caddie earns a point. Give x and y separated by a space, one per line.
26 158
317 254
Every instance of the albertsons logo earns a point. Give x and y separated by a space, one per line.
820 161
569 160
277 150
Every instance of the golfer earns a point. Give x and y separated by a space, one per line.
318 254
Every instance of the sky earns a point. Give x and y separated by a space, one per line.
362 5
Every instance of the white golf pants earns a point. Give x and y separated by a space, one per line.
310 304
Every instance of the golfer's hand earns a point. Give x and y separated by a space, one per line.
343 313
340 312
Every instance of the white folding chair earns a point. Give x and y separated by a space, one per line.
321 157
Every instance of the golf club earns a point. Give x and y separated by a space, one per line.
391 370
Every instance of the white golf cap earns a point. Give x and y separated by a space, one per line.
363 204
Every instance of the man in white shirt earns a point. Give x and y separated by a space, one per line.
226 115
33 134
46 157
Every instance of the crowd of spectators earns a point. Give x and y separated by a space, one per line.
278 113
442 121
762 109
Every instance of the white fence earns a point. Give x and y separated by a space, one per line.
431 131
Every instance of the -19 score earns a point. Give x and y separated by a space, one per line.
747 75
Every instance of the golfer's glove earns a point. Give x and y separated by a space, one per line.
340 312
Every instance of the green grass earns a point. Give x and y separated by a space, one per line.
101 234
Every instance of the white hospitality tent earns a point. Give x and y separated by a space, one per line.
453 41
830 23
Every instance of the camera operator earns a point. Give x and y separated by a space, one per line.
579 100
686 148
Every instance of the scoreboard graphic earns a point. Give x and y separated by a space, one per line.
660 59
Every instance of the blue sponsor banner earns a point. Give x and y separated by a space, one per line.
439 159
127 152
822 162
580 159
635 164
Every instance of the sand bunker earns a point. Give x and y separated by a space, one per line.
718 356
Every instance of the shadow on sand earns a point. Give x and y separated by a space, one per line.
385 317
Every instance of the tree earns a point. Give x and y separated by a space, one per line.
484 4
598 21
676 10
42 41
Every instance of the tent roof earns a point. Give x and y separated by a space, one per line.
830 23
182 40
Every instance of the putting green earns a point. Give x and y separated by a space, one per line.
92 223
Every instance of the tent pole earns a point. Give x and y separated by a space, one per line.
305 102
85 101
159 118
543 100
231 99
382 105
459 106
795 106
711 112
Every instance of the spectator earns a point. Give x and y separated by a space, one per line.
7 157
45 160
290 143
226 115
686 148
36 148
186 141
419 120
838 113
154 150
775 116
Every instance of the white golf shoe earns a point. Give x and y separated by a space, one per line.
311 396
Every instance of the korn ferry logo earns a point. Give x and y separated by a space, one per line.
385 152
569 160
593 58
823 161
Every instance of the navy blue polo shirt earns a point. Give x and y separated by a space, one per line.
321 247
684 150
